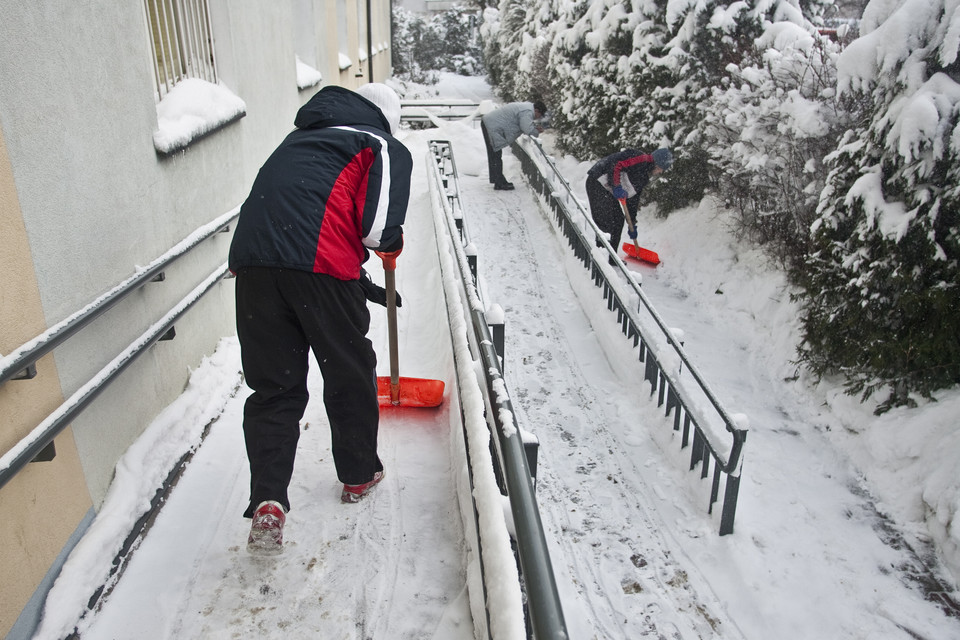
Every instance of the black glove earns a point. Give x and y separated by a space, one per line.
374 292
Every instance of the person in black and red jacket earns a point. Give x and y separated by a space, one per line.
621 176
334 189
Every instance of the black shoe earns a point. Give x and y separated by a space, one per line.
503 186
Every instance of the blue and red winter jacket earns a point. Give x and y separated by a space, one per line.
335 187
629 169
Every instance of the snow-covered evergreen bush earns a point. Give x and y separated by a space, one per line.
589 96
447 41
489 30
883 289
707 37
502 38
767 130
744 93
631 73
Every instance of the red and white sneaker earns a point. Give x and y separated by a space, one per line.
353 492
266 531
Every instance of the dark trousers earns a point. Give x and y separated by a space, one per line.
283 314
494 159
606 212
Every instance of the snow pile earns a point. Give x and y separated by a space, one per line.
307 76
191 109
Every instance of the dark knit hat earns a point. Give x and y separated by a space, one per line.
663 158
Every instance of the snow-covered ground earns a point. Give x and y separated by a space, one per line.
837 507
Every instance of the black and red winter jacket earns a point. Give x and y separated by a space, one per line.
335 187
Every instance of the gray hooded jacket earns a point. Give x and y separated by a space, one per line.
506 124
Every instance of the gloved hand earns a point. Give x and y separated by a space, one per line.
389 258
632 234
374 292
619 193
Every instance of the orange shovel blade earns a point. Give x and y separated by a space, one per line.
644 255
414 392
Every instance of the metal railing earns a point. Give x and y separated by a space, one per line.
543 602
21 363
435 110
669 370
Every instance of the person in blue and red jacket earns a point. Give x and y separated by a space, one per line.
622 176
334 189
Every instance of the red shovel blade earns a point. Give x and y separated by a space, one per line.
644 255
414 392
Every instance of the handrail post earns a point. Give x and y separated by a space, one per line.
496 320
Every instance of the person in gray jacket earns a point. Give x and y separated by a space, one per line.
501 127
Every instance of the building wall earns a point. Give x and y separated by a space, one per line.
85 200
44 502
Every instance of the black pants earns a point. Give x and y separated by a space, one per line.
606 212
282 314
494 159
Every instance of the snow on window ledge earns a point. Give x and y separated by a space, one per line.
344 61
307 76
191 110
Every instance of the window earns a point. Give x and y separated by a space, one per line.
343 40
305 44
362 41
191 101
182 42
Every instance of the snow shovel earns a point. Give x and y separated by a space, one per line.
393 390
635 250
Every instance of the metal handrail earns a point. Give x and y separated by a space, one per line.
21 359
43 434
672 388
543 600
428 110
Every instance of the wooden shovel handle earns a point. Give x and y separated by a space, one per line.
626 214
390 279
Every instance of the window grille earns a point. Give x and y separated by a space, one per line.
182 42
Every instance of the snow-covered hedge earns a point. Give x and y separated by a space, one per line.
884 283
767 129
843 162
447 41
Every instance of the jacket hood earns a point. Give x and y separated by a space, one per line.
335 106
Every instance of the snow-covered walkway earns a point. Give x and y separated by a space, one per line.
635 553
